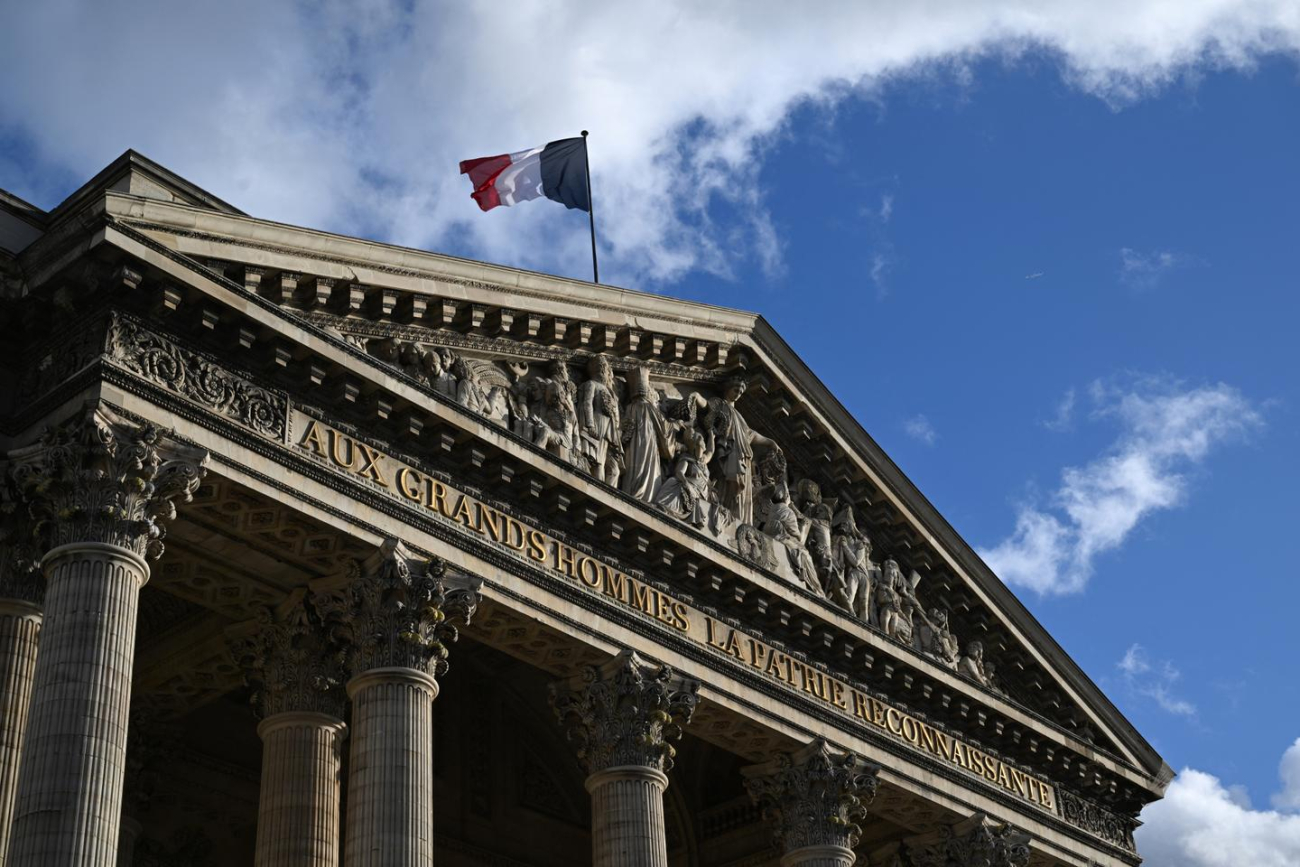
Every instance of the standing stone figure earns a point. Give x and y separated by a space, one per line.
556 425
855 575
598 423
896 604
735 452
645 440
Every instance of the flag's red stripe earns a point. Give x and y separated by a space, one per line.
483 175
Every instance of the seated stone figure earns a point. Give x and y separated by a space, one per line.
686 494
937 639
972 664
787 526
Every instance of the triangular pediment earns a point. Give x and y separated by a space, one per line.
638 398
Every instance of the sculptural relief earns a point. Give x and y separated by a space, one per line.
599 426
735 452
787 526
696 459
645 439
854 576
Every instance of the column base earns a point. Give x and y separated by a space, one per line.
819 856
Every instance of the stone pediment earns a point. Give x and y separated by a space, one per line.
637 413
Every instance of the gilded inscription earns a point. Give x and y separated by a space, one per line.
432 495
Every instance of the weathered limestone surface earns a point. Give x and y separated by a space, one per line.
74 755
393 619
622 717
100 490
814 799
298 810
390 775
20 627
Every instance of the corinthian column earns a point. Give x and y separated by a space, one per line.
622 717
100 490
297 673
814 798
21 591
394 618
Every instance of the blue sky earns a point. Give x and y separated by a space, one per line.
1046 253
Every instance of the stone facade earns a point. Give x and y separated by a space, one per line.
409 502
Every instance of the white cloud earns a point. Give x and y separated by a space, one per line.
353 115
1202 823
1289 770
1063 419
1146 270
1154 680
919 428
1165 431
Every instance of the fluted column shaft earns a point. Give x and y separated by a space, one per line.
819 856
74 753
390 771
627 817
298 809
20 627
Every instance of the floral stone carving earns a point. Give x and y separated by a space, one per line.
625 712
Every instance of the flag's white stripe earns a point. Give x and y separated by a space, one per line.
522 179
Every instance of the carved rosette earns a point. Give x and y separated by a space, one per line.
99 478
292 662
398 612
976 842
626 712
814 797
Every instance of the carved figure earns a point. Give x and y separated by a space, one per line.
854 576
818 513
754 545
686 495
896 604
735 452
555 427
972 664
787 526
937 639
645 440
598 423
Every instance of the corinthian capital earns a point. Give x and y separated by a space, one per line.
20 566
398 611
100 478
291 661
625 712
814 797
976 842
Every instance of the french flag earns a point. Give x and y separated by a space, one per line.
557 171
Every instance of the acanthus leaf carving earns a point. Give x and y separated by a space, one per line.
814 797
625 712
975 842
396 610
291 661
99 478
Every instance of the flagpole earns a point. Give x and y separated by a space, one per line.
591 210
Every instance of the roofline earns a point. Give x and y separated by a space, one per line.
23 210
132 159
770 340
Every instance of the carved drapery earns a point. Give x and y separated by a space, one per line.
98 478
395 611
815 797
695 457
626 712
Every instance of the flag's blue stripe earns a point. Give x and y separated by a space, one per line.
564 173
